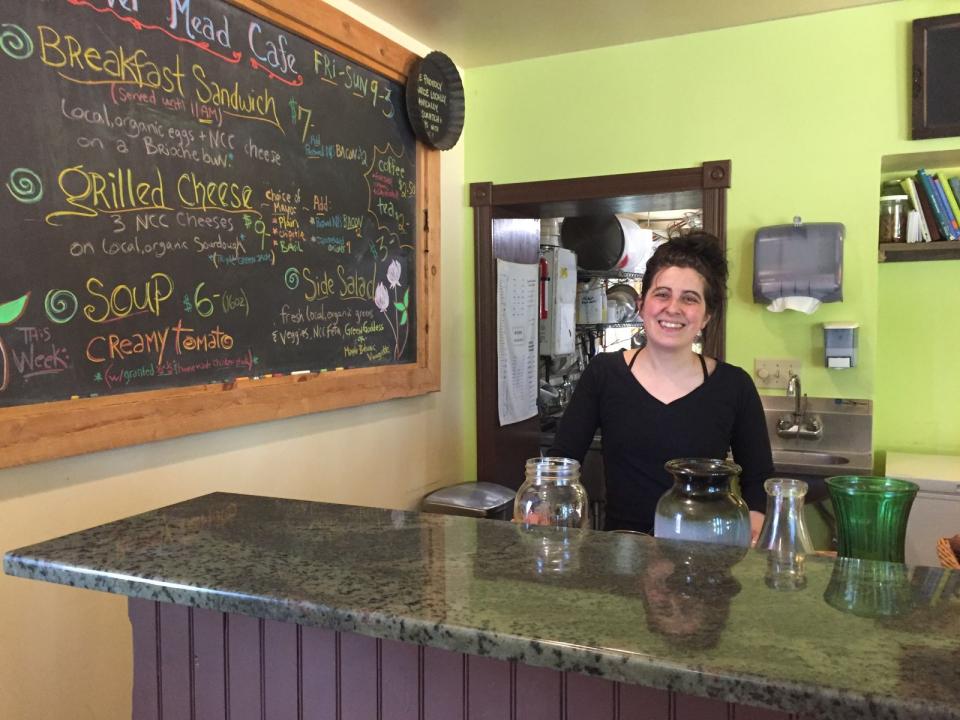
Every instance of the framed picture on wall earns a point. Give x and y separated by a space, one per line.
936 77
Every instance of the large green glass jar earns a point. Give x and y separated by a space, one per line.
702 504
872 515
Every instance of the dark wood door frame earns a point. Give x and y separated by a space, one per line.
501 450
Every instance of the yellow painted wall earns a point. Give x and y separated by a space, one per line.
66 652
805 108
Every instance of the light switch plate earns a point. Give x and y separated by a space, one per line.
774 372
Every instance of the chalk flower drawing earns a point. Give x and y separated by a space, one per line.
381 298
393 273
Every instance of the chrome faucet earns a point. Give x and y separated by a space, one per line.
797 424
793 387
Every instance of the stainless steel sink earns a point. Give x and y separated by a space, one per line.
808 457
845 446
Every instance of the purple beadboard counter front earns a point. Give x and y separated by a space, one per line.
247 606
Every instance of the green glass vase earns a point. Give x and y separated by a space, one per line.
869 589
872 514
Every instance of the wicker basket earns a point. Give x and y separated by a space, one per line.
948 558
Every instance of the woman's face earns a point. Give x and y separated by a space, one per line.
674 309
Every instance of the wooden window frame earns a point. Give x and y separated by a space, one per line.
45 431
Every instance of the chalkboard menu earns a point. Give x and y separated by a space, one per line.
191 195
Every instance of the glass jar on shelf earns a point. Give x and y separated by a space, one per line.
894 206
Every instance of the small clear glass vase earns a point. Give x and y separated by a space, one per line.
784 534
784 530
702 504
552 494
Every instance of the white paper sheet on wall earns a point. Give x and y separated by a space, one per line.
516 341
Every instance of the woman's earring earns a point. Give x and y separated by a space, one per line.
698 338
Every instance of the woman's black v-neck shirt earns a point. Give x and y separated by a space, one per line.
641 433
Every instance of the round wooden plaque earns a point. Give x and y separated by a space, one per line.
435 101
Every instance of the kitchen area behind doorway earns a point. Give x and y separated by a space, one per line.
603 257
510 221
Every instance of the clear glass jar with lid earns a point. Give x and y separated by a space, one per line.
894 206
552 494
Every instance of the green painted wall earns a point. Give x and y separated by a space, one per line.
918 388
806 109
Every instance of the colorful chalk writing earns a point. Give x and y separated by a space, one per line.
197 196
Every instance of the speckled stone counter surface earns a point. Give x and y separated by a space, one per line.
854 640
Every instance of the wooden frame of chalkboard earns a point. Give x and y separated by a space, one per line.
42 430
936 76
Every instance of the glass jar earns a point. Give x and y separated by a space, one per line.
552 549
702 504
784 534
552 494
872 515
894 206
784 530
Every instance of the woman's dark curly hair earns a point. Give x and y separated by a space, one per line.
697 250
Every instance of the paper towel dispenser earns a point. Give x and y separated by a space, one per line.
798 266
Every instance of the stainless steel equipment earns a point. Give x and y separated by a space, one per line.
471 499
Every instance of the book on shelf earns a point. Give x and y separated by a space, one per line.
951 198
913 227
910 188
955 186
929 190
945 206
926 208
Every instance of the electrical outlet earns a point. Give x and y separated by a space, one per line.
774 372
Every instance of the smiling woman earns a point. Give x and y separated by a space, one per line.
674 312
665 401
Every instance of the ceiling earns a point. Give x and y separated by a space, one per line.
487 32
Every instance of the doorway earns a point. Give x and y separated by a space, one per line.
502 450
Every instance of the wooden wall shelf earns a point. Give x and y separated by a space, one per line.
909 162
914 252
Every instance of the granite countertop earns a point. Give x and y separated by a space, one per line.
857 640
